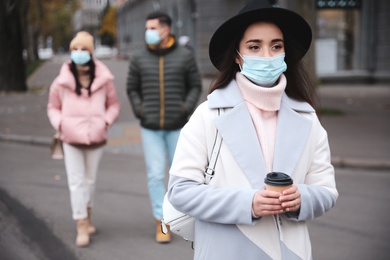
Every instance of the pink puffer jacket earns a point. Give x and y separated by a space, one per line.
83 119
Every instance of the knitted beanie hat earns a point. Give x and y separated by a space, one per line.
83 39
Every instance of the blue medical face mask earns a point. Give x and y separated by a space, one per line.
80 57
152 37
263 71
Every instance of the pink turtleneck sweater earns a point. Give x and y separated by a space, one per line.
263 104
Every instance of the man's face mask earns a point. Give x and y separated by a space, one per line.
152 37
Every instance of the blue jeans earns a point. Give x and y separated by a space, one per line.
158 146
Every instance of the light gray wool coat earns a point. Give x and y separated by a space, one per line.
225 228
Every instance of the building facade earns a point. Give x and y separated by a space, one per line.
87 18
352 38
197 19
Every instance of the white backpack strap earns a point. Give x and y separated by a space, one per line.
210 169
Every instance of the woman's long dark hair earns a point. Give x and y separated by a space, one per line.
73 69
299 85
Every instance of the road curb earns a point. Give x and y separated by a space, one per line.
33 140
360 163
339 162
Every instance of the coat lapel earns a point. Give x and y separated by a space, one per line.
292 134
239 134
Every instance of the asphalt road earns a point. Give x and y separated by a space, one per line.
37 210
35 221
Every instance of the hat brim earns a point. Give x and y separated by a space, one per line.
292 25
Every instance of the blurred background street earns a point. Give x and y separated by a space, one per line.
349 58
35 221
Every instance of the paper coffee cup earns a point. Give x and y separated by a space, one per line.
277 181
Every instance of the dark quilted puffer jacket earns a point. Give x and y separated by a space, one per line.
163 86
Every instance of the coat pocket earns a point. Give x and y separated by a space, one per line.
97 130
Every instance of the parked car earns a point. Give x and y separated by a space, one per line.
104 52
45 53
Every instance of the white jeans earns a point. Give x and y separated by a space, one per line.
81 168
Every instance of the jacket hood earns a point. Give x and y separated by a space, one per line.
102 76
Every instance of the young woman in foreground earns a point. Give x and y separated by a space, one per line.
268 125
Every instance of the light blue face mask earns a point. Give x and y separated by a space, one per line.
152 37
263 71
80 57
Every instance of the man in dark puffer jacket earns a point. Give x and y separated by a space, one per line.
163 87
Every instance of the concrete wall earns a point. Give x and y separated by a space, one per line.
211 14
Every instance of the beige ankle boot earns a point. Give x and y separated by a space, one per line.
160 236
82 239
91 228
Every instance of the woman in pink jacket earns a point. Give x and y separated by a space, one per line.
83 104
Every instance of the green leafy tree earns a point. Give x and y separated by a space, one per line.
22 24
47 18
57 22
107 31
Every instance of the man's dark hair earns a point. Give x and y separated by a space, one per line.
163 18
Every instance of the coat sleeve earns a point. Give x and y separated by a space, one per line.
193 85
112 104
134 88
318 192
54 105
187 191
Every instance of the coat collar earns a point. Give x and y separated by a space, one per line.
172 44
102 76
239 134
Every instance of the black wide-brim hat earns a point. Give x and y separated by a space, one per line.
291 24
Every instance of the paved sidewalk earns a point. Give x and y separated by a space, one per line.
358 136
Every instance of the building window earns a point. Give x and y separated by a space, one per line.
337 44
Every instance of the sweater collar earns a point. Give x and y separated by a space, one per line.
102 76
231 96
268 99
82 70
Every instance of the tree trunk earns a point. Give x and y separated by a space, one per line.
27 29
12 67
